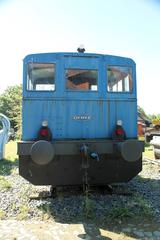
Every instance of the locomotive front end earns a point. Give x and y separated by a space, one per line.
79 120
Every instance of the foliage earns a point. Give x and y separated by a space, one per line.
154 116
142 112
11 104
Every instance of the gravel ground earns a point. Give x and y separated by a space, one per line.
135 202
24 201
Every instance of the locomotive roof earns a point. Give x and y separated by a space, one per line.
77 54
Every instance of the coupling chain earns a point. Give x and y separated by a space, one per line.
85 166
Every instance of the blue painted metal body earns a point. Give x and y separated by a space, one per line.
59 107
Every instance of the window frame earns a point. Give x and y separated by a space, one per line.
132 79
81 90
40 91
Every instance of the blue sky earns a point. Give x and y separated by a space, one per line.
118 27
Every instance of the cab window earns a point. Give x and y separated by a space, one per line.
41 77
119 79
81 79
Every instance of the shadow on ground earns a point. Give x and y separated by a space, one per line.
130 206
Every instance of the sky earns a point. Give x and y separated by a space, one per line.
116 27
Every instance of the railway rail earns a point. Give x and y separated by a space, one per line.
157 161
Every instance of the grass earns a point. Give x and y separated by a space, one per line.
46 211
119 212
4 183
149 153
11 151
10 163
89 206
135 208
142 206
23 212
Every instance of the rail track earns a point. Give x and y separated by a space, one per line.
153 161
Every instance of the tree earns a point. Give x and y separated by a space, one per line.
11 105
142 112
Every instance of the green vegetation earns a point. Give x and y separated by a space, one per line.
10 105
142 112
10 163
5 167
25 192
119 212
46 211
23 212
89 206
4 183
135 208
143 208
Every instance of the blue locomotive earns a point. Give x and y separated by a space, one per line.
79 119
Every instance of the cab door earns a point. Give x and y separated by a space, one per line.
83 112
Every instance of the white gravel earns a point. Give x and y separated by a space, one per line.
15 202
73 216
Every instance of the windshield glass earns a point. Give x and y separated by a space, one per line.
81 79
41 76
119 79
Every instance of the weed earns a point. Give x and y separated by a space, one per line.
4 183
23 212
120 212
25 191
14 171
47 211
14 206
137 207
142 206
5 167
88 207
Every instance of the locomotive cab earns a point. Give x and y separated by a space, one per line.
90 106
